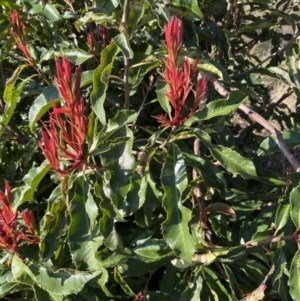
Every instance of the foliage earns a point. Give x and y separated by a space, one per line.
134 180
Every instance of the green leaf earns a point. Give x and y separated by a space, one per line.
137 72
211 174
294 282
42 104
133 201
21 272
47 55
76 56
140 265
253 268
112 239
175 228
161 88
32 180
110 258
215 69
61 282
86 78
9 288
108 146
53 224
198 259
101 80
98 18
236 292
295 206
280 264
221 208
195 8
233 162
123 43
270 145
217 289
11 95
106 6
185 5
219 107
84 235
10 84
283 15
105 140
284 289
255 26
105 194
122 164
48 11
153 248
136 13
148 191
282 215
292 63
282 74
229 159
193 289
36 174
41 294
124 285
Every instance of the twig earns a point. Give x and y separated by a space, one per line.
123 29
250 43
117 77
263 122
293 236
259 293
43 76
227 15
140 169
2 74
291 41
275 132
173 129
197 191
283 97
126 84
148 89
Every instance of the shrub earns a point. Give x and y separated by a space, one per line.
121 146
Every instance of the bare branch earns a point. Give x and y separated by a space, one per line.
123 29
291 41
263 122
259 293
148 89
227 14
273 239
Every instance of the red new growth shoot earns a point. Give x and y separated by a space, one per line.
103 31
179 77
63 140
10 232
18 34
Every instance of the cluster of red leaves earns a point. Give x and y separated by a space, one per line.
63 140
103 30
11 233
179 78
103 34
17 33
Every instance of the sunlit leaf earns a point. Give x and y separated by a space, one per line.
175 228
101 80
295 206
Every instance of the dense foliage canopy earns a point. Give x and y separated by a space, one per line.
149 150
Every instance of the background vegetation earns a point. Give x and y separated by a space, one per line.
105 195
